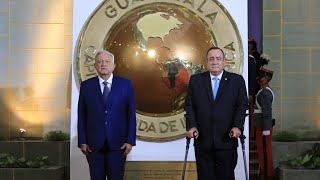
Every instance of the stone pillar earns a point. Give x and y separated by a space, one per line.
255 22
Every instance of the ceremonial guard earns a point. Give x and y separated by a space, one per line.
263 122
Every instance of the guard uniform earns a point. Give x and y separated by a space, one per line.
263 122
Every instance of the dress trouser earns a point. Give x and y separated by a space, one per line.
216 164
106 163
264 148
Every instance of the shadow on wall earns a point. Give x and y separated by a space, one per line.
19 108
69 88
19 112
4 114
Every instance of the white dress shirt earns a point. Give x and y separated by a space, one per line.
219 79
109 81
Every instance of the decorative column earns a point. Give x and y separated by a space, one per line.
255 30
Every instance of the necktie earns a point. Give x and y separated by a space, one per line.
105 92
216 87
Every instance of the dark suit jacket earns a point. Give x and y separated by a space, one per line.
119 113
215 118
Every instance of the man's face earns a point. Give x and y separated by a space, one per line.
262 80
215 61
250 49
104 64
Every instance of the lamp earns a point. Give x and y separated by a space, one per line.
22 131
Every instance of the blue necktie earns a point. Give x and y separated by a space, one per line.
216 87
105 92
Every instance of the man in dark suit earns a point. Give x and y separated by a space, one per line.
106 120
252 92
216 107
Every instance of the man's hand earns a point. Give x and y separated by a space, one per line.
193 133
127 148
235 132
265 132
85 149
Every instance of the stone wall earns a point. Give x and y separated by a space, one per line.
57 152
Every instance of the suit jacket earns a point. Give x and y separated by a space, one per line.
114 123
215 118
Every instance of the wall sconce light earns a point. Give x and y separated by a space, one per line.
22 131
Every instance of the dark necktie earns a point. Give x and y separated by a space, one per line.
105 92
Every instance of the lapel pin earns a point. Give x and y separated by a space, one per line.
225 78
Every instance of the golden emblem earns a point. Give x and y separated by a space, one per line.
158 44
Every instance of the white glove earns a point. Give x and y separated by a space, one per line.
266 133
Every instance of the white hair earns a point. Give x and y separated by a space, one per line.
105 52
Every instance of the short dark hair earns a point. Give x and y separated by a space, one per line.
253 44
215 48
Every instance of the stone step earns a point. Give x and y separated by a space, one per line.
253 154
252 145
253 161
253 164
253 175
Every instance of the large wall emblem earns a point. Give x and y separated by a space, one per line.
158 44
